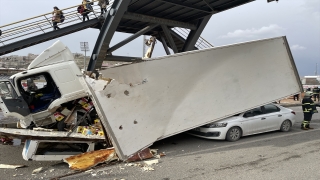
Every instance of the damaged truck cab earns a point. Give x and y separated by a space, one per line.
52 79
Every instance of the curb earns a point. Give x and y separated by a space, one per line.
290 105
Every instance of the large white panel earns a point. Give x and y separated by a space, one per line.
164 96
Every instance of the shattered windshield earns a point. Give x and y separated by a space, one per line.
7 91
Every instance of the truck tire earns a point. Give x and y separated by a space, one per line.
233 134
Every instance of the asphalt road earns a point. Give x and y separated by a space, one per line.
274 155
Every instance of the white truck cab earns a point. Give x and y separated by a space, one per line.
51 79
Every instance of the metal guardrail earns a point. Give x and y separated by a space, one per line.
4 77
42 24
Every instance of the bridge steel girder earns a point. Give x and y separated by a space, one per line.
189 6
112 20
173 33
165 46
195 34
169 38
156 20
127 40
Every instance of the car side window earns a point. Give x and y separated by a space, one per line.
270 108
254 112
257 111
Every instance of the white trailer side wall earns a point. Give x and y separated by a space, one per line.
164 96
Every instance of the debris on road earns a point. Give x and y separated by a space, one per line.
9 166
90 159
6 141
158 156
36 171
143 154
147 168
16 142
151 162
133 164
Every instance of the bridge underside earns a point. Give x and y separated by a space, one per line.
176 23
156 18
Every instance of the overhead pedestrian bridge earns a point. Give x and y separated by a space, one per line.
177 24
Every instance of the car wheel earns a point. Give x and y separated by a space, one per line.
285 126
233 134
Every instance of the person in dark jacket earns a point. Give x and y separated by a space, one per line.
56 15
308 108
296 97
316 91
103 5
87 8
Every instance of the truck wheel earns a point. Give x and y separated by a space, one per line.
233 134
285 126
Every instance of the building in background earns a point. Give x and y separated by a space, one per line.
310 82
12 64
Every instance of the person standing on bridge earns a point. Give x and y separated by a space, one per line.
308 108
87 8
56 14
103 5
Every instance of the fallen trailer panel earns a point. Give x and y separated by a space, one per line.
160 97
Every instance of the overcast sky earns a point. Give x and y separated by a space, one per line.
298 20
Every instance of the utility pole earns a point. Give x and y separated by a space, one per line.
84 47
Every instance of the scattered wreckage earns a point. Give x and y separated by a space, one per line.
63 112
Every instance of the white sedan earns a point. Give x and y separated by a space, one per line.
270 117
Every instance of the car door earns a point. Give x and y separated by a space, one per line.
273 117
253 120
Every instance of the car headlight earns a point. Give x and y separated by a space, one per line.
216 125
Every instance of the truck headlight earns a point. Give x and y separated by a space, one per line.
216 125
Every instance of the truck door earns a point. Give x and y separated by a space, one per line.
10 101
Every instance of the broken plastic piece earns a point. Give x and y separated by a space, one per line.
141 155
90 159
6 141
151 162
36 171
147 168
9 166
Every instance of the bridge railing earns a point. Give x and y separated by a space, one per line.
43 23
201 42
